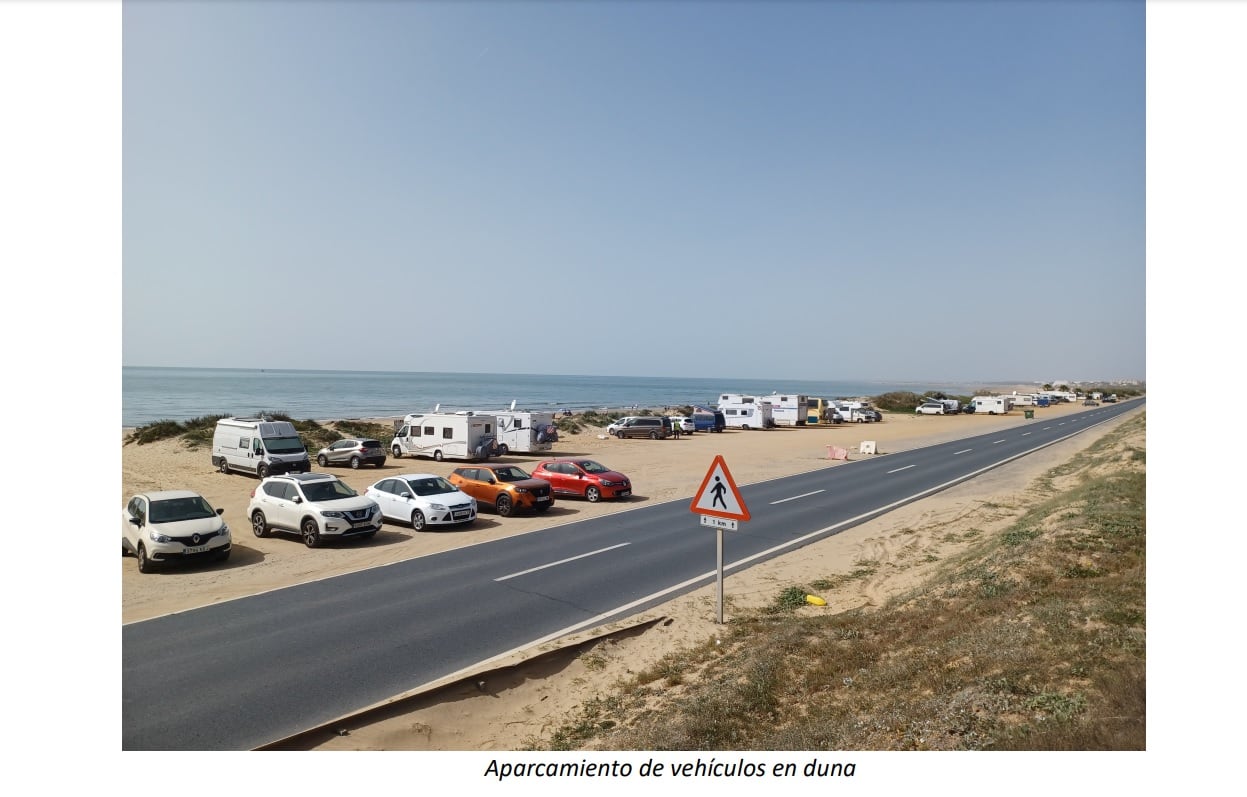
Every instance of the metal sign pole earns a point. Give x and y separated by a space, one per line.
720 583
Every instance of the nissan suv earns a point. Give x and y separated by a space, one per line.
316 506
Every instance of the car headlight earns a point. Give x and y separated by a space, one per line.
331 513
438 507
157 536
224 531
520 490
606 483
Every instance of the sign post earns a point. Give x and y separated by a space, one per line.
719 503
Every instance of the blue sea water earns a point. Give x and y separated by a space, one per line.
150 394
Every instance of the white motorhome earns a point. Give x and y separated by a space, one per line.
787 410
750 414
259 446
992 405
528 432
855 411
1023 400
445 435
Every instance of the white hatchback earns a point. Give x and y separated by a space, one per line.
316 506
422 499
172 526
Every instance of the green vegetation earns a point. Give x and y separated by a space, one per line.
1032 638
197 432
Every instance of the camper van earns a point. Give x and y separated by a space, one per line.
749 414
524 431
992 405
442 435
786 410
259 446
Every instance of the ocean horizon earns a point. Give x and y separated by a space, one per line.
157 393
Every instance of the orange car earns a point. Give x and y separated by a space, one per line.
504 487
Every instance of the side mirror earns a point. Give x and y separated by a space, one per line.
221 511
136 522
404 494
298 499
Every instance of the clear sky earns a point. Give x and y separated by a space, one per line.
927 191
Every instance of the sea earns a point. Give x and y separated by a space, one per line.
151 394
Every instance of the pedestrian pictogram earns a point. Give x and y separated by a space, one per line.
718 495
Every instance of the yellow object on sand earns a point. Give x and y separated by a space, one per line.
814 600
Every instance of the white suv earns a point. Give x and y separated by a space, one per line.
683 423
619 422
172 526
316 506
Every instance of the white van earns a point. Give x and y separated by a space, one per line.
254 445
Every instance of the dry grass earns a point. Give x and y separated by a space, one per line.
1030 639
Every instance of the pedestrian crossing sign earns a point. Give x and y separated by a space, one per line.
718 496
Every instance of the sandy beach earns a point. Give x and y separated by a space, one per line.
527 701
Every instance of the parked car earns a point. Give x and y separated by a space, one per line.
1090 403
617 423
316 506
422 499
930 408
683 423
968 408
504 487
655 427
172 526
875 414
1111 399
353 451
585 478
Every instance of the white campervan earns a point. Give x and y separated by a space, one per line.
992 405
254 445
528 432
787 410
441 435
747 414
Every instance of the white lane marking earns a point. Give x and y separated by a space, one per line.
963 451
898 470
562 561
997 442
1024 434
795 497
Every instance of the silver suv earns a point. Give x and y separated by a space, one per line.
316 506
353 451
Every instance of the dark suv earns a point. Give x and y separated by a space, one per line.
353 451
655 427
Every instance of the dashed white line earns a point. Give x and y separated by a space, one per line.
963 451
1024 434
997 442
795 497
562 561
898 470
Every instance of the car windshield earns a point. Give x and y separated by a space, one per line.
511 474
283 445
171 510
327 491
592 467
431 486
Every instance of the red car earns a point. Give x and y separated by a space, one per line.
583 477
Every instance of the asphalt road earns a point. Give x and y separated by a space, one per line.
318 651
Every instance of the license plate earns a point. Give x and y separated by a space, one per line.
625 493
362 524
543 498
196 549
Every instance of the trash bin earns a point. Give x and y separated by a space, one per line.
1030 414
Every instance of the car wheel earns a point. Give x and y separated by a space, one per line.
437 455
259 525
745 427
592 494
323 461
223 465
417 520
503 450
397 452
145 564
619 434
653 435
504 505
262 471
354 463
311 533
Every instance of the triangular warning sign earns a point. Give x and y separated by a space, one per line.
718 495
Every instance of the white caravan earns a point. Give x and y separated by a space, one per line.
524 431
443 435
750 414
992 405
254 445
787 410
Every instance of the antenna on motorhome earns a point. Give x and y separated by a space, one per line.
513 405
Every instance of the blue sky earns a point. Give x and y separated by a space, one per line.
932 191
